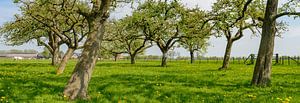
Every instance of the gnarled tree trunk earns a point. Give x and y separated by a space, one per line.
64 61
164 59
77 86
262 70
227 55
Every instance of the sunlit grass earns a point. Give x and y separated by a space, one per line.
36 81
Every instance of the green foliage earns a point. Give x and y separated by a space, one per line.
228 12
160 21
197 30
22 30
289 6
46 53
35 81
124 36
112 43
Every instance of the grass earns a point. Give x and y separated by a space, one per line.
35 81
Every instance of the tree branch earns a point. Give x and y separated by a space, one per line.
286 13
243 12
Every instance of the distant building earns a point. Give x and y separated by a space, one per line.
75 55
22 55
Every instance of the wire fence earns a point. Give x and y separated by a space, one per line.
250 60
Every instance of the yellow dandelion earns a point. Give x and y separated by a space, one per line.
287 99
3 97
65 96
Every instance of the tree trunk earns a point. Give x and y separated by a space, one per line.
64 61
55 57
192 56
116 57
77 86
164 59
262 70
132 58
227 55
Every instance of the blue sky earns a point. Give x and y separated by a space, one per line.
7 11
287 45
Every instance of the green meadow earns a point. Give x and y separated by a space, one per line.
35 81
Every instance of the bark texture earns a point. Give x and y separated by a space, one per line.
55 57
53 47
227 55
77 86
132 58
64 61
164 59
262 70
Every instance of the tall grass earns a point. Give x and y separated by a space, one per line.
35 81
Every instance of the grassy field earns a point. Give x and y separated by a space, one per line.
35 81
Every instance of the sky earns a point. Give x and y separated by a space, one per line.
285 45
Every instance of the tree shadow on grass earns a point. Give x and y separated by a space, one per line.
108 65
160 88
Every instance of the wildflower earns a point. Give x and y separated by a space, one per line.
287 99
3 97
65 96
